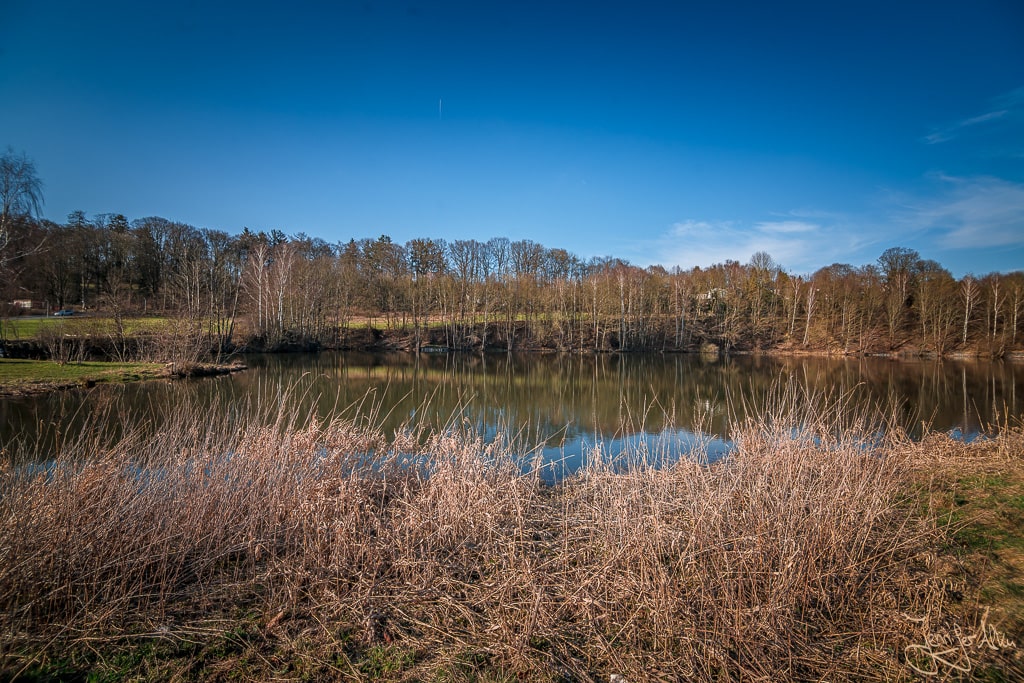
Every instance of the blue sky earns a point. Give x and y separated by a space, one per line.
672 133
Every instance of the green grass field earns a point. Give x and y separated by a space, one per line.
30 328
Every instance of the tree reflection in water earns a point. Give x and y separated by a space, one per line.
557 403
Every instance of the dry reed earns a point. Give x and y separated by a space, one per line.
798 557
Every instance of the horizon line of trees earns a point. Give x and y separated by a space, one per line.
498 292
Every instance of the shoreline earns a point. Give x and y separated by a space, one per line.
377 341
383 340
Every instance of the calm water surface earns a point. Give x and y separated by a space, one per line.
560 402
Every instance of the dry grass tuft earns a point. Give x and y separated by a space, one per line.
799 557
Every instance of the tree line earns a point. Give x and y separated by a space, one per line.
500 292
512 294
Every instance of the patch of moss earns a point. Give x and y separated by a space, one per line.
382 660
985 512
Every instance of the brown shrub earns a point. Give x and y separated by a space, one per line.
798 557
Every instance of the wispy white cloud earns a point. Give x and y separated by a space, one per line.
947 133
1006 106
971 213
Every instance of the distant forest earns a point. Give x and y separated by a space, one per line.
289 290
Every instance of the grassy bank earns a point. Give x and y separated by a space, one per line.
258 548
20 377
26 377
976 493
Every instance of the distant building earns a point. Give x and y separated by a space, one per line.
27 303
712 294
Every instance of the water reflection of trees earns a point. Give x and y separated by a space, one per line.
574 395
549 396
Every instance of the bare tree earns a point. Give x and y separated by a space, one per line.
812 292
1017 287
898 265
997 297
969 294
21 197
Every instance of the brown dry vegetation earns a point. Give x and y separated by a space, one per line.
260 549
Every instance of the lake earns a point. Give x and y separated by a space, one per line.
557 402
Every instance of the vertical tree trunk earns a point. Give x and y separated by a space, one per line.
810 311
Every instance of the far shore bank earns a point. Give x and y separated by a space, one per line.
373 339
150 337
96 362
